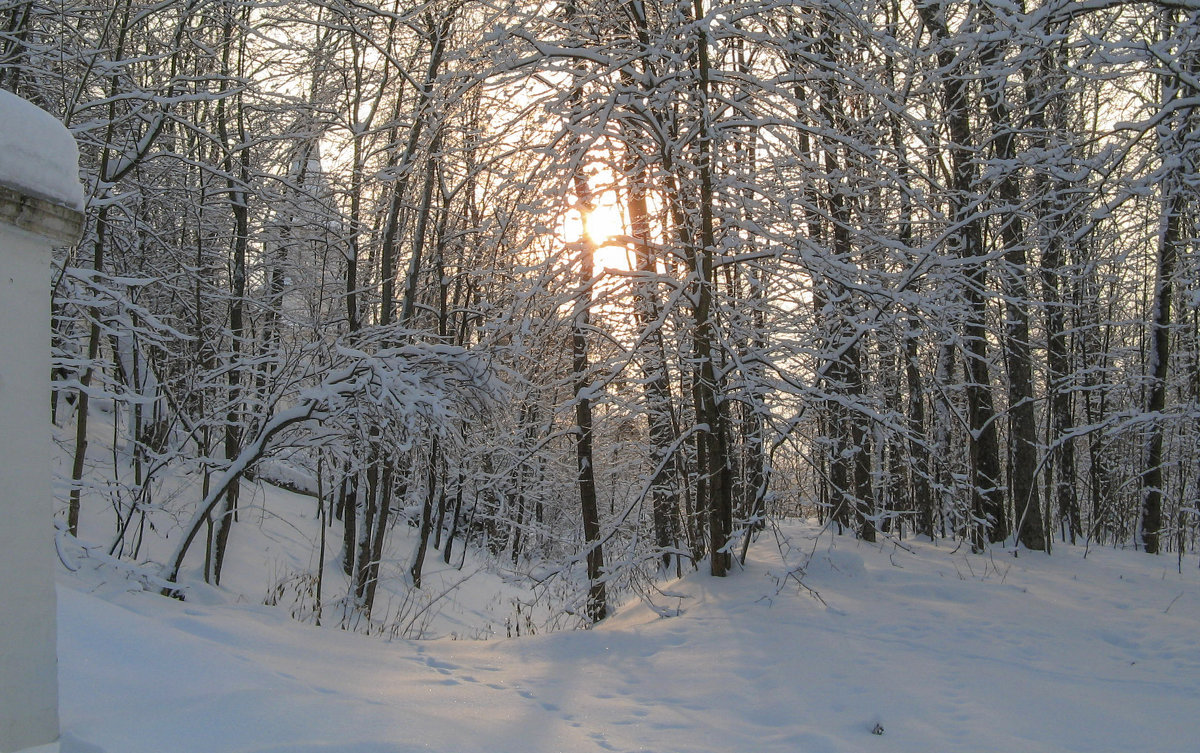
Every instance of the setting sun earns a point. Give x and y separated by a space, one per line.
607 228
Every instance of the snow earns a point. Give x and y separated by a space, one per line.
38 155
945 650
27 609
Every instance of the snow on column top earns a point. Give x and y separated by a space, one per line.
38 155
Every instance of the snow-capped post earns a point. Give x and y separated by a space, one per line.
40 202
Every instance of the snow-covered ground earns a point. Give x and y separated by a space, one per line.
942 650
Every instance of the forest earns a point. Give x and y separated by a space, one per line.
600 290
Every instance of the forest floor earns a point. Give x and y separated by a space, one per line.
933 648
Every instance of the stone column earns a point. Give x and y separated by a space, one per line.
35 215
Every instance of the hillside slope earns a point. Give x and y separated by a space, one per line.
944 651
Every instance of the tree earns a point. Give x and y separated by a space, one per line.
1176 136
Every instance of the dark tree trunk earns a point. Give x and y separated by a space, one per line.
238 183
967 242
1158 362
426 523
348 505
1023 431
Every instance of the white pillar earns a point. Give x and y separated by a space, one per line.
38 210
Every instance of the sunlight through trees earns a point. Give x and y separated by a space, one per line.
909 269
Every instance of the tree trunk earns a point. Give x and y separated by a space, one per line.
656 387
348 503
426 524
597 602
1158 364
966 240
237 181
1023 431
716 467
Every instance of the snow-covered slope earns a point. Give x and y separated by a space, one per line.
944 651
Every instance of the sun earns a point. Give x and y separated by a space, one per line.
608 229
605 226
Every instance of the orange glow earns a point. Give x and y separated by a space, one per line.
608 228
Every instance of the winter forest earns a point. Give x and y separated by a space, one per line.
597 291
